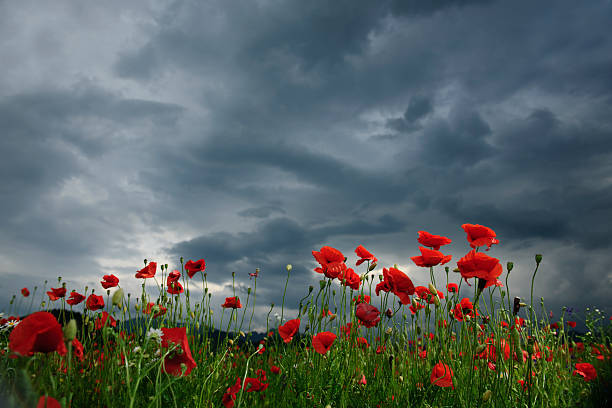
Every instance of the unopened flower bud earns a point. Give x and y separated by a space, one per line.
538 258
322 284
332 317
289 267
517 305
509 266
389 331
372 267
486 396
230 341
117 299
70 330
415 303
432 289
400 378
456 270
389 313
248 291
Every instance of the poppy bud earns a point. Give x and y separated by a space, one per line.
436 300
457 270
418 330
181 260
486 396
241 333
414 303
389 313
389 331
145 262
522 304
230 341
400 378
322 284
538 258
372 267
289 267
70 330
381 278
332 317
118 297
248 291
509 266
433 289
310 288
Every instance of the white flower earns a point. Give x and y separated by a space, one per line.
137 349
155 334
10 324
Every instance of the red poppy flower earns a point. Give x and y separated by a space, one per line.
430 257
193 267
350 278
452 287
414 309
432 241
101 321
162 310
479 265
232 302
173 276
586 370
571 324
174 287
75 298
110 281
289 329
230 395
346 329
331 261
323 341
56 293
181 355
77 349
464 308
478 235
442 375
367 314
397 282
365 255
94 302
48 402
361 299
363 342
148 271
255 384
25 292
39 332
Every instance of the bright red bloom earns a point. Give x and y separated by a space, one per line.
110 281
256 384
148 271
232 302
56 293
586 370
162 310
77 349
442 375
230 395
418 307
39 332
331 261
173 276
289 329
425 294
397 282
174 287
479 235
350 278
274 369
571 324
361 299
432 241
101 321
430 257
464 308
75 298
452 287
193 267
48 402
94 302
365 255
323 341
363 342
182 355
367 314
25 292
479 265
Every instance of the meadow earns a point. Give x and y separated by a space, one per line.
360 339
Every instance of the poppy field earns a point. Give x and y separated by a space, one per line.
362 337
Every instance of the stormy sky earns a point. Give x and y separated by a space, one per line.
250 133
